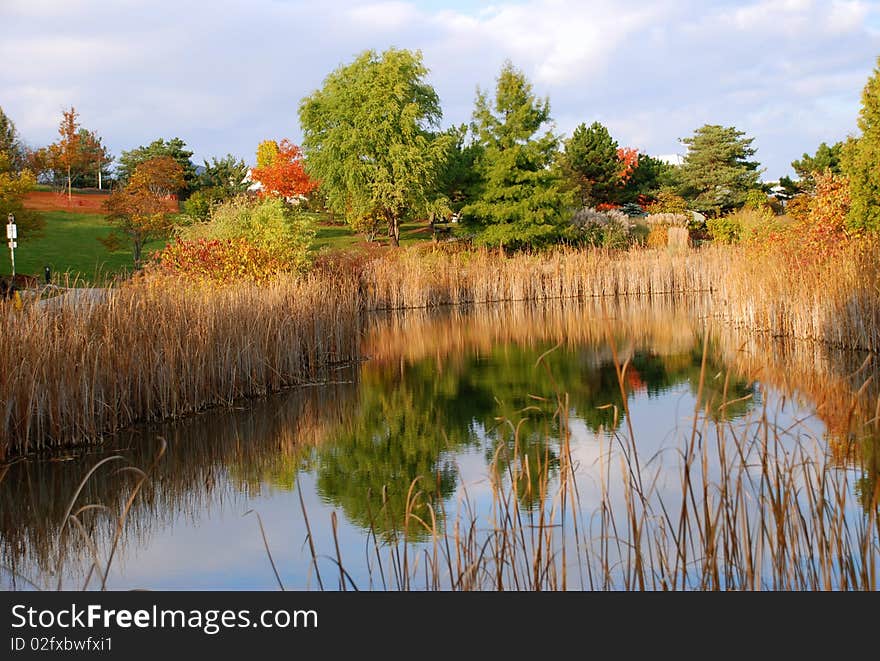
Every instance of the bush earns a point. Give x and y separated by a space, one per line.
609 229
632 209
667 202
747 224
218 261
199 205
658 236
282 234
757 200
723 229
798 207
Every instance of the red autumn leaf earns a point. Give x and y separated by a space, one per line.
285 176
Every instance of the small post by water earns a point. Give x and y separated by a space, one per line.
11 237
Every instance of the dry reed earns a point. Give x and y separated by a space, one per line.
71 373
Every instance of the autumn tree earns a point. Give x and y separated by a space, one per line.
367 138
519 200
77 156
280 170
66 155
860 158
15 183
174 148
717 172
141 210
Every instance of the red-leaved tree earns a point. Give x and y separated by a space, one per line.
280 170
629 160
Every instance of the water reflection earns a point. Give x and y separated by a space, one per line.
435 390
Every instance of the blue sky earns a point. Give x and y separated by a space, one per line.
224 75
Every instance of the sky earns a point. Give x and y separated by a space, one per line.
224 75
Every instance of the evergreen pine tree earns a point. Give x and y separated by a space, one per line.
520 201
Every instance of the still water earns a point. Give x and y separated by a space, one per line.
454 402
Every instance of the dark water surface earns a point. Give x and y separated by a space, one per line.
449 399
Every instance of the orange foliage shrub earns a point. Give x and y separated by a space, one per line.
218 261
821 232
798 207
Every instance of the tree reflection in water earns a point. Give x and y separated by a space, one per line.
433 386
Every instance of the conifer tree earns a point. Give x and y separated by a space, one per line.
520 201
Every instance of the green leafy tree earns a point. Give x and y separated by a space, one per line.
717 172
520 200
825 158
592 165
860 158
367 138
174 148
791 188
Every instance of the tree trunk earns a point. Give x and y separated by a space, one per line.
394 231
99 177
68 186
137 253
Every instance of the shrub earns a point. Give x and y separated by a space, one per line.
632 209
667 202
723 229
831 203
609 229
369 226
658 236
283 235
218 261
747 224
198 206
798 207
757 200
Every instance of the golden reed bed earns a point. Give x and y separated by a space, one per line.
157 349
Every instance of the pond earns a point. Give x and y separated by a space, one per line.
569 445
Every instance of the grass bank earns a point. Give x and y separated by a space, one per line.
70 246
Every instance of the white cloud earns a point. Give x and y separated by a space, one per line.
224 75
384 15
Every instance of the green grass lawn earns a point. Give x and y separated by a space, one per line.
69 244
341 237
